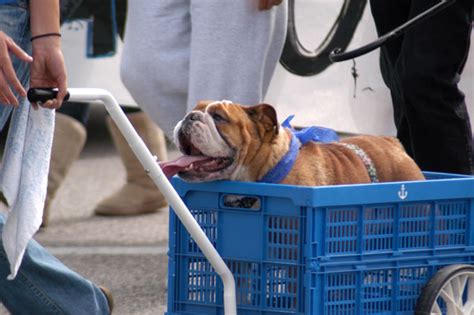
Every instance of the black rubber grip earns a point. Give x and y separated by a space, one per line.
43 94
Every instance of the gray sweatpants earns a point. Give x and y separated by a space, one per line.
178 52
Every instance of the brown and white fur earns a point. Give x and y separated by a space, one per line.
244 142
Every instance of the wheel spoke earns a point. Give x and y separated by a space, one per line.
448 289
470 289
457 285
436 309
447 295
468 307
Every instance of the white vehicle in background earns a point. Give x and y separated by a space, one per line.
348 96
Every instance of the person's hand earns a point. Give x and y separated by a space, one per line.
268 4
8 78
48 69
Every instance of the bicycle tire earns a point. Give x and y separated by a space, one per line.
303 62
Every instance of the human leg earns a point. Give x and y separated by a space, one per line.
155 59
68 141
388 15
432 57
45 286
229 61
139 194
78 111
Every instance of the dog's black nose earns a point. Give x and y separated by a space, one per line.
193 116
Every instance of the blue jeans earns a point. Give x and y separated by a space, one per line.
43 284
14 21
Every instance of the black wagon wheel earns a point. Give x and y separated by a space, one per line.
301 61
450 292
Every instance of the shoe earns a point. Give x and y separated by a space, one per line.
68 141
109 297
139 195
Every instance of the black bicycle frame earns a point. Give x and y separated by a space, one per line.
337 55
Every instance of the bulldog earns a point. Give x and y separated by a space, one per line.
224 140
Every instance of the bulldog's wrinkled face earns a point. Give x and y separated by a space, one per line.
220 139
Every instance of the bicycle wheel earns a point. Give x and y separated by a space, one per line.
450 291
301 61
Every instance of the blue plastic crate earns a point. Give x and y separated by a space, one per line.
375 287
349 249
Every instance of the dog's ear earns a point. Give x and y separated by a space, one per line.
265 114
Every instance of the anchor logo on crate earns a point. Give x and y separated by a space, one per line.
403 193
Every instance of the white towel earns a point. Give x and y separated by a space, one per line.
24 178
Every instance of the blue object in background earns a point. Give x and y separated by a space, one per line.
346 249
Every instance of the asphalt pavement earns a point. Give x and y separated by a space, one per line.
126 254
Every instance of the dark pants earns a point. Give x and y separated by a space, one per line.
422 70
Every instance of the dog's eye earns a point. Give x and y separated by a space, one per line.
217 117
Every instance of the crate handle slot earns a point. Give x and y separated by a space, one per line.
241 202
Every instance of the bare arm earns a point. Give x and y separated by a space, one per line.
44 17
48 68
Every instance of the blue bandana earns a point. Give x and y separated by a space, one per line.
299 138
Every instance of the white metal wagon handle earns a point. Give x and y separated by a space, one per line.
154 171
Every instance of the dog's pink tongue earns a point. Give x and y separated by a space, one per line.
171 168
